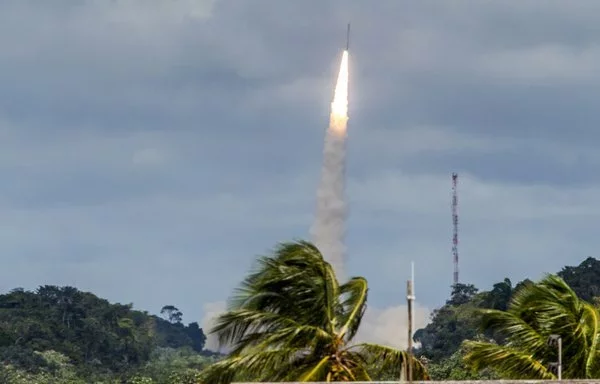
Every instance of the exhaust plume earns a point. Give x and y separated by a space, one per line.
328 228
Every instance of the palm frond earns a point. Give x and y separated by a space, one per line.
514 328
258 366
242 329
593 322
355 361
538 310
353 306
362 374
507 361
317 371
300 337
386 360
295 282
232 326
332 293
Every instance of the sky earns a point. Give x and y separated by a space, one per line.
150 150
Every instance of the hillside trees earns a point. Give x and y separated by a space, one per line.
95 335
450 325
584 279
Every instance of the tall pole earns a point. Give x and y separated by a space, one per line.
413 290
409 298
560 358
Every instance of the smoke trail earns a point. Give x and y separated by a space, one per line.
328 228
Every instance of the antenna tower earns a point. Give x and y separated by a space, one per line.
455 226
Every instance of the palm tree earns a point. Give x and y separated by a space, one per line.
290 320
537 311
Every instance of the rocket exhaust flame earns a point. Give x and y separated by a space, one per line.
328 229
339 106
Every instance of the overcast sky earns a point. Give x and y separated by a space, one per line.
149 150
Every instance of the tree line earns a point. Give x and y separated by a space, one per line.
291 319
60 332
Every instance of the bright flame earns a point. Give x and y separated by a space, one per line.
339 106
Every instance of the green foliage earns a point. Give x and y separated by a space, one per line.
100 339
188 376
450 325
172 313
291 320
537 311
140 380
459 319
499 296
461 294
166 362
454 368
58 370
196 335
584 279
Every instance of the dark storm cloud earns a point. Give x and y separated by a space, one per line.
158 146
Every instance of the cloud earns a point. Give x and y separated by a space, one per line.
389 326
148 156
151 149
513 226
211 312
543 64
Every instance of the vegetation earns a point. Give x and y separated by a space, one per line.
291 319
503 333
60 332
455 368
536 312
451 324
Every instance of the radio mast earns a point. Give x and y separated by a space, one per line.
455 226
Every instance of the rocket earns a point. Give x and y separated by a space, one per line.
348 37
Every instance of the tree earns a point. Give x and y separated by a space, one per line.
449 327
57 370
99 338
173 314
536 312
290 320
499 296
584 278
166 363
461 294
522 284
197 336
